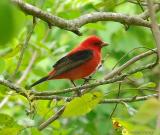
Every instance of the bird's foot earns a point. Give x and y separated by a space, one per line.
77 92
86 80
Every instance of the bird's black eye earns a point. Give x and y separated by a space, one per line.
97 43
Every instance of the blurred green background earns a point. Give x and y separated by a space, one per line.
51 44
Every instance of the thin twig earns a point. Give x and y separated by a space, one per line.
25 73
119 89
125 55
142 2
51 119
145 14
139 3
23 49
128 63
133 99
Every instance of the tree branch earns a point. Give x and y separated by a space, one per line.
75 24
134 99
156 34
51 119
11 85
154 25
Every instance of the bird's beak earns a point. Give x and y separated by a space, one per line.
104 44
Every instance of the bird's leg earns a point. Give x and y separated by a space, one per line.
86 80
73 83
77 92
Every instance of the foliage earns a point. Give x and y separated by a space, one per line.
82 105
8 125
137 123
52 44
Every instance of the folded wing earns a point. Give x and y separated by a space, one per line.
71 61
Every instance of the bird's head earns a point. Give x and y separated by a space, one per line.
93 42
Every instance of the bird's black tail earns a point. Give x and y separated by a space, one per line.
39 81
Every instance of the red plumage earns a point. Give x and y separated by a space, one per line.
79 63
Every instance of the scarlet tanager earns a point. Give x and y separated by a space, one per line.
79 63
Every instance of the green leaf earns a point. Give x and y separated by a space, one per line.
9 131
11 21
13 52
157 132
137 75
2 65
43 109
149 85
8 125
82 105
35 131
7 22
147 111
61 102
56 124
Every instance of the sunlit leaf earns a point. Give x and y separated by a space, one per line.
82 105
35 131
61 102
137 75
43 109
149 85
56 124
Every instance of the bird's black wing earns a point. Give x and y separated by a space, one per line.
71 61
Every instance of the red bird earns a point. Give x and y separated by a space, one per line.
79 63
